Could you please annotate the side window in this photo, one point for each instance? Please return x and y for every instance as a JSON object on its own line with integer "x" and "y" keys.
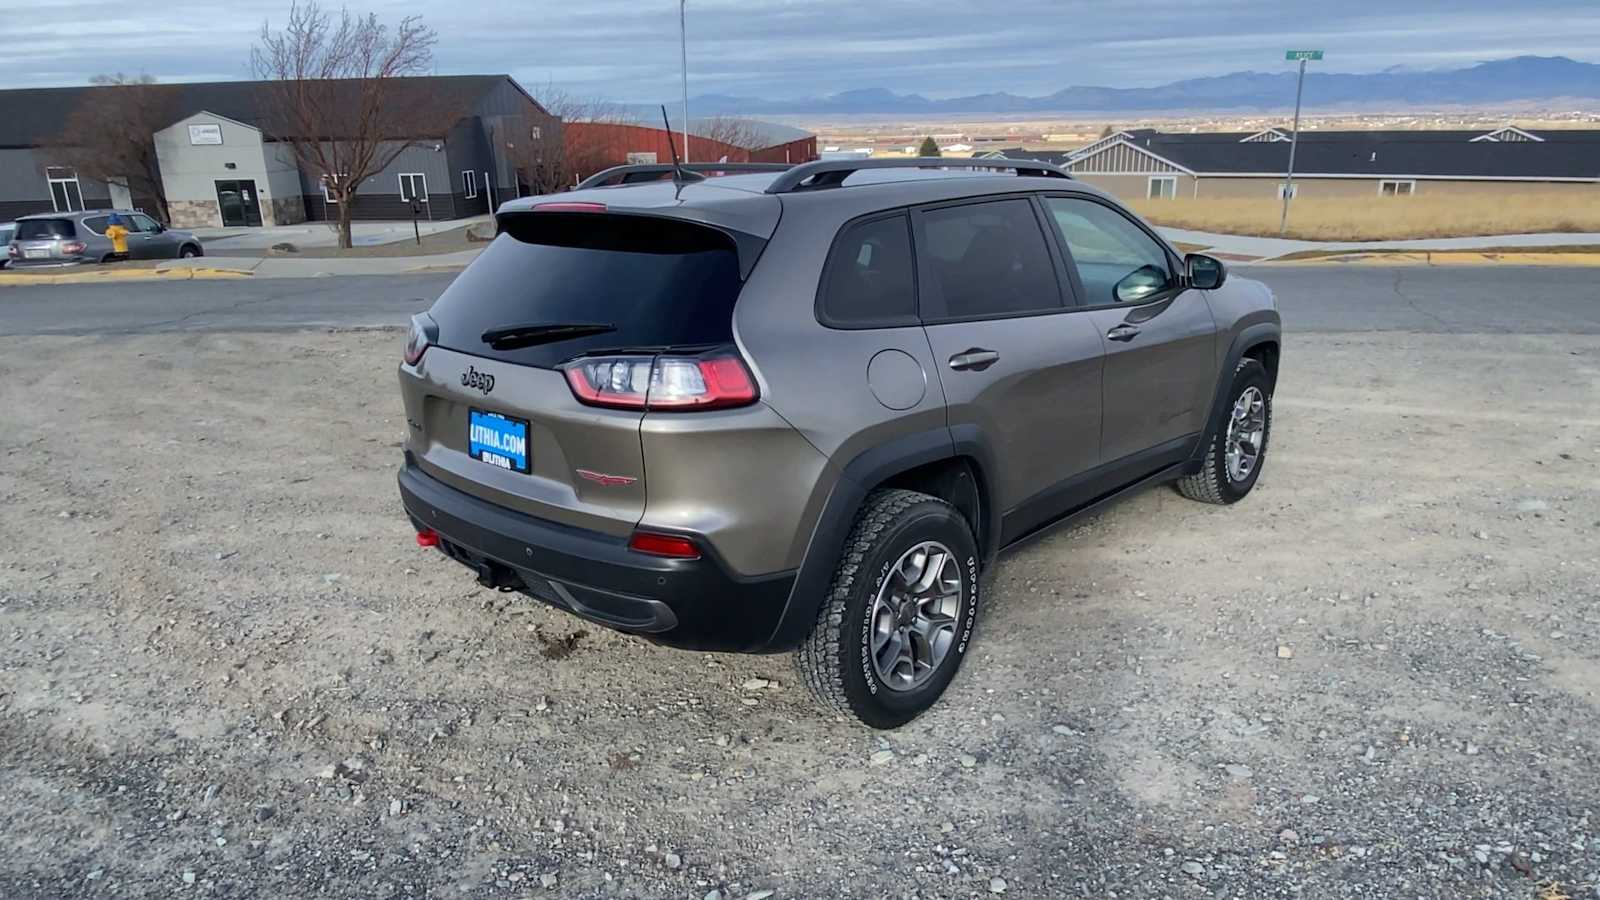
{"x": 144, "y": 223}
{"x": 870, "y": 280}
{"x": 1116, "y": 260}
{"x": 97, "y": 224}
{"x": 986, "y": 259}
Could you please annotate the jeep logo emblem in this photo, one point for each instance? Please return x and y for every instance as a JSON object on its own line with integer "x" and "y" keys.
{"x": 482, "y": 381}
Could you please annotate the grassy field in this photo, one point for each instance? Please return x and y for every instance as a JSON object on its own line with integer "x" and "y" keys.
{"x": 1383, "y": 218}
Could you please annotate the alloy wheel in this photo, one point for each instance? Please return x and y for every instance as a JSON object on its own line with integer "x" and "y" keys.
{"x": 914, "y": 616}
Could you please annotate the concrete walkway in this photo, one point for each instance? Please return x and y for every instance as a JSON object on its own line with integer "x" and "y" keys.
{"x": 1262, "y": 249}
{"x": 322, "y": 234}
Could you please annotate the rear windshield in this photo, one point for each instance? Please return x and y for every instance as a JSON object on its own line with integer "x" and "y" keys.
{"x": 44, "y": 229}
{"x": 660, "y": 283}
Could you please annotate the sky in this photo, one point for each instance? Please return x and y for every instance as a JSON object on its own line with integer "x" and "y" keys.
{"x": 782, "y": 49}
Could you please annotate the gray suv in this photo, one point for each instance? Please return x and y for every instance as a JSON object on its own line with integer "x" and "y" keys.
{"x": 73, "y": 238}
{"x": 806, "y": 409}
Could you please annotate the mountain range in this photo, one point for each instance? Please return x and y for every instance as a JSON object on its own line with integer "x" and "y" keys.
{"x": 1515, "y": 80}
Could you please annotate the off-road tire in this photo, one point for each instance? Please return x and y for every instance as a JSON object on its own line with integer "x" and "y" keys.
{"x": 834, "y": 660}
{"x": 1213, "y": 484}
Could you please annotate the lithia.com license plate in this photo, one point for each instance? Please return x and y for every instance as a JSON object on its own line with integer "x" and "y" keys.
{"x": 498, "y": 440}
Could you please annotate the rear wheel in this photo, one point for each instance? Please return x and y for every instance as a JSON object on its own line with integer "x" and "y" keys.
{"x": 1237, "y": 445}
{"x": 899, "y": 615}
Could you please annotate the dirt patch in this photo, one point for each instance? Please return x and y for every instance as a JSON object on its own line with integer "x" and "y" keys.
{"x": 229, "y": 671}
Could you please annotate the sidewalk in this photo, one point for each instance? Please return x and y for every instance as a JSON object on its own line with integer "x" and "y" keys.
{"x": 217, "y": 267}
{"x": 1242, "y": 248}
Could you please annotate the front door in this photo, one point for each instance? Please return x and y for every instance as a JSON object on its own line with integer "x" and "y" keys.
{"x": 147, "y": 239}
{"x": 1160, "y": 337}
{"x": 238, "y": 203}
{"x": 1017, "y": 365}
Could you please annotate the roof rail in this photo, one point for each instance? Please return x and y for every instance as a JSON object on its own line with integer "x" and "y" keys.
{"x": 829, "y": 173}
{"x": 652, "y": 172}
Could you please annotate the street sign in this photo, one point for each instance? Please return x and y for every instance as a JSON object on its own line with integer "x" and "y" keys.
{"x": 1294, "y": 55}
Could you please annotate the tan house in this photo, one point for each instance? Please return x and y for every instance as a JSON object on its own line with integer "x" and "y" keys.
{"x": 1150, "y": 164}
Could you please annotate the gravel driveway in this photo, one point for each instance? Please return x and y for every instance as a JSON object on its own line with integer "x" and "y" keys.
{"x": 227, "y": 671}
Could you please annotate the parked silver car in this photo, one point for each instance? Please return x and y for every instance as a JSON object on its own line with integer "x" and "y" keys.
{"x": 73, "y": 238}
{"x": 7, "y": 229}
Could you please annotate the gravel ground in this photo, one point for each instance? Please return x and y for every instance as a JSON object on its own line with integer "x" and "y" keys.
{"x": 226, "y": 670}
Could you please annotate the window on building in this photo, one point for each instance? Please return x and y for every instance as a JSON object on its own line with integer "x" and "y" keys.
{"x": 986, "y": 260}
{"x": 870, "y": 280}
{"x": 1396, "y": 188}
{"x": 469, "y": 184}
{"x": 1163, "y": 187}
{"x": 326, "y": 180}
{"x": 536, "y": 132}
{"x": 65, "y": 193}
{"x": 414, "y": 187}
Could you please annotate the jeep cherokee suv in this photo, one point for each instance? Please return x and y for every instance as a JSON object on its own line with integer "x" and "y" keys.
{"x": 805, "y": 409}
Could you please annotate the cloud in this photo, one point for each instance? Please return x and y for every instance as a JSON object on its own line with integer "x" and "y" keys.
{"x": 628, "y": 51}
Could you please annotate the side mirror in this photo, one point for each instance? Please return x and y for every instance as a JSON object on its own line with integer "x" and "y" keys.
{"x": 1141, "y": 284}
{"x": 1207, "y": 273}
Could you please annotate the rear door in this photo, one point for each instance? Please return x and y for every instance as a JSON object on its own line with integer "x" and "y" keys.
{"x": 1160, "y": 337}
{"x": 656, "y": 283}
{"x": 149, "y": 240}
{"x": 1015, "y": 362}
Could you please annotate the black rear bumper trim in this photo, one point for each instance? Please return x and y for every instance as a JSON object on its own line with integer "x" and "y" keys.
{"x": 694, "y": 604}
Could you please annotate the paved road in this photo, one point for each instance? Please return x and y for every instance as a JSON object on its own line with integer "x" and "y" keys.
{"x": 1313, "y": 298}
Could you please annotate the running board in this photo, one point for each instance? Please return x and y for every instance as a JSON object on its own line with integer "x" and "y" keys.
{"x": 1160, "y": 476}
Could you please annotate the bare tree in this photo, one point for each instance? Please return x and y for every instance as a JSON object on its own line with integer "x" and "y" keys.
{"x": 744, "y": 134}
{"x": 108, "y": 136}
{"x": 337, "y": 95}
{"x": 564, "y": 152}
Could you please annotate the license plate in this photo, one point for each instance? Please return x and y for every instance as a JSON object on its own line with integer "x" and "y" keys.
{"x": 498, "y": 440}
{"x": 35, "y": 254}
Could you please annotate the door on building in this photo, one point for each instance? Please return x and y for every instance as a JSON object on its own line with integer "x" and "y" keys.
{"x": 239, "y": 203}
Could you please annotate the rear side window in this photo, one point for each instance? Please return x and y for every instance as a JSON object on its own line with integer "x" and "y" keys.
{"x": 986, "y": 260}
{"x": 97, "y": 224}
{"x": 45, "y": 229}
{"x": 870, "y": 278}
{"x": 659, "y": 283}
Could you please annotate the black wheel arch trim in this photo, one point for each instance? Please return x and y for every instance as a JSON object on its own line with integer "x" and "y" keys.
{"x": 866, "y": 471}
{"x": 1248, "y": 338}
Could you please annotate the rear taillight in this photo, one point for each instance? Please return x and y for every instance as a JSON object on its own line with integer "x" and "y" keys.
{"x": 717, "y": 379}
{"x": 419, "y": 338}
{"x": 668, "y": 545}
{"x": 74, "y": 247}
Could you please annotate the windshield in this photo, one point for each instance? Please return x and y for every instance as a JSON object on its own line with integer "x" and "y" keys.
{"x": 654, "y": 282}
{"x": 44, "y": 229}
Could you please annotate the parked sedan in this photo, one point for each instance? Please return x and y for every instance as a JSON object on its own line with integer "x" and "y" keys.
{"x": 68, "y": 239}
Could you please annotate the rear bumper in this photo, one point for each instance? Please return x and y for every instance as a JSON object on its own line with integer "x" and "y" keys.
{"x": 693, "y": 604}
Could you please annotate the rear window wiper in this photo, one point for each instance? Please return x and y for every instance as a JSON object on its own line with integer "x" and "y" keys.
{"x": 529, "y": 334}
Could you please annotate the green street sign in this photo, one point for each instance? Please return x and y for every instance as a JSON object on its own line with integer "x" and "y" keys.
{"x": 1294, "y": 55}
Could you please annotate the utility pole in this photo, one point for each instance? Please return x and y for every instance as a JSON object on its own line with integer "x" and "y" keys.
{"x": 683, "y": 43}
{"x": 1294, "y": 137}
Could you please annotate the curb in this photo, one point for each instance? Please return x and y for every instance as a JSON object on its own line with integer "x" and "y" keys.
{"x": 1445, "y": 258}
{"x": 195, "y": 273}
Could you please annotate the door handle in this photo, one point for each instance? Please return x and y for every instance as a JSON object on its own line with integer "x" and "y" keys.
{"x": 1123, "y": 332}
{"x": 976, "y": 359}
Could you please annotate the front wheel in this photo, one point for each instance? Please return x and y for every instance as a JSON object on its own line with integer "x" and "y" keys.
{"x": 899, "y": 616}
{"x": 189, "y": 251}
{"x": 1237, "y": 445}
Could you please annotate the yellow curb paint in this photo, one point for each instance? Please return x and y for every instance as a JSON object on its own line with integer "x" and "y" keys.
{"x": 20, "y": 279}
{"x": 1529, "y": 258}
